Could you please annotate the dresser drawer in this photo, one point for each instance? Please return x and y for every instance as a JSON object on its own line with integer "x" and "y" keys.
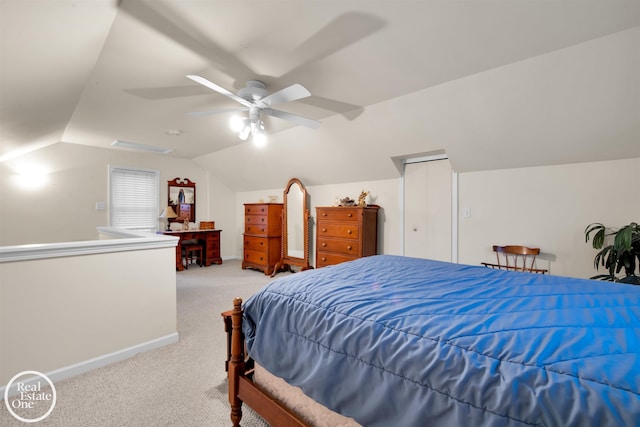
{"x": 323, "y": 259}
{"x": 339, "y": 214}
{"x": 256, "y": 209}
{"x": 346, "y": 231}
{"x": 256, "y": 220}
{"x": 255, "y": 243}
{"x": 256, "y": 257}
{"x": 212, "y": 245}
{"x": 212, "y": 252}
{"x": 341, "y": 246}
{"x": 256, "y": 229}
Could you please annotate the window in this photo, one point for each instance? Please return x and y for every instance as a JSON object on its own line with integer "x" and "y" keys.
{"x": 133, "y": 198}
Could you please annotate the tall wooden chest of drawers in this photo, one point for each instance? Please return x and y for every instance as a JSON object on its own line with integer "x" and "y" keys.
{"x": 262, "y": 236}
{"x": 345, "y": 233}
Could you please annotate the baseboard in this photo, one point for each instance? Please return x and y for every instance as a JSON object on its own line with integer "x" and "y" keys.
{"x": 98, "y": 362}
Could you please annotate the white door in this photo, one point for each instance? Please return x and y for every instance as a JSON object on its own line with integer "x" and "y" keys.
{"x": 427, "y": 210}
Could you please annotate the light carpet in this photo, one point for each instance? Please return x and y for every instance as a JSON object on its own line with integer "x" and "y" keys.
{"x": 182, "y": 384}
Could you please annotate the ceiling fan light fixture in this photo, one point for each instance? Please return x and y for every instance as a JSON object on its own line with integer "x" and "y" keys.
{"x": 244, "y": 133}
{"x": 237, "y": 124}
{"x": 259, "y": 139}
{"x": 255, "y": 98}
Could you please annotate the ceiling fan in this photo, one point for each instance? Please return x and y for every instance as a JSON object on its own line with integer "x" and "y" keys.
{"x": 256, "y": 100}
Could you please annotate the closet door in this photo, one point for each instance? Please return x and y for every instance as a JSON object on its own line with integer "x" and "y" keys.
{"x": 427, "y": 210}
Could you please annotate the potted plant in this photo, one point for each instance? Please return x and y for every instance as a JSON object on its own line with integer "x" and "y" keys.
{"x": 622, "y": 253}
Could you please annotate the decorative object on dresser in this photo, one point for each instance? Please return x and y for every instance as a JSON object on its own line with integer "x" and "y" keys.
{"x": 207, "y": 225}
{"x": 345, "y": 233}
{"x": 182, "y": 198}
{"x": 262, "y": 234}
{"x": 295, "y": 228}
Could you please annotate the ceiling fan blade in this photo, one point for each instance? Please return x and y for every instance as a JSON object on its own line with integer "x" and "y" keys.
{"x": 303, "y": 121}
{"x": 165, "y": 18}
{"x": 219, "y": 89}
{"x": 288, "y": 94}
{"x": 208, "y": 113}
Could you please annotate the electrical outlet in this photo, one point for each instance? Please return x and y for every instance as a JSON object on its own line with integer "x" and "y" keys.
{"x": 466, "y": 212}
{"x": 100, "y": 206}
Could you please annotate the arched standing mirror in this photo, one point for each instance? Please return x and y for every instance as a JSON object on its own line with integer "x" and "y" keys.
{"x": 295, "y": 228}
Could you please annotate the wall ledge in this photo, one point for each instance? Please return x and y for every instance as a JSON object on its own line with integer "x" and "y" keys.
{"x": 116, "y": 240}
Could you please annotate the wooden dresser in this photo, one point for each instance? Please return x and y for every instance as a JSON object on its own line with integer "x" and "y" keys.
{"x": 345, "y": 233}
{"x": 262, "y": 236}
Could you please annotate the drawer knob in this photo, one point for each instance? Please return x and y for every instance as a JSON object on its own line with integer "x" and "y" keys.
{"x": 324, "y": 244}
{"x": 349, "y": 214}
{"x": 323, "y": 259}
{"x": 349, "y": 247}
{"x": 349, "y": 231}
{"x": 324, "y": 230}
{"x": 324, "y": 214}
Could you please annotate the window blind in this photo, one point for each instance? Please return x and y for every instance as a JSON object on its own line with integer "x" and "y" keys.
{"x": 134, "y": 198}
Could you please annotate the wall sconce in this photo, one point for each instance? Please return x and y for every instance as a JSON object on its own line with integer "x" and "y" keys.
{"x": 31, "y": 176}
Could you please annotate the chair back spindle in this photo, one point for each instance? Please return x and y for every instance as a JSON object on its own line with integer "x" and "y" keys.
{"x": 516, "y": 258}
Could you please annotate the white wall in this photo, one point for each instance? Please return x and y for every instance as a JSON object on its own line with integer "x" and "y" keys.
{"x": 547, "y": 207}
{"x": 75, "y": 177}
{"x": 60, "y": 314}
{"x": 544, "y": 206}
{"x": 222, "y": 210}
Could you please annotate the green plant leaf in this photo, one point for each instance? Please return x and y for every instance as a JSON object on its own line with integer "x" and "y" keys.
{"x": 598, "y": 238}
{"x": 622, "y": 241}
{"x": 624, "y": 252}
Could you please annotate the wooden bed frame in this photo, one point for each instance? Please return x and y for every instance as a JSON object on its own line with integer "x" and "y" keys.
{"x": 242, "y": 389}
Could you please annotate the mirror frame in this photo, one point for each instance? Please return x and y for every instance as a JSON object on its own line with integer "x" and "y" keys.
{"x": 286, "y": 261}
{"x": 182, "y": 183}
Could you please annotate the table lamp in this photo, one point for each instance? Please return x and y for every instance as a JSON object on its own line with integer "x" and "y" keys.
{"x": 168, "y": 213}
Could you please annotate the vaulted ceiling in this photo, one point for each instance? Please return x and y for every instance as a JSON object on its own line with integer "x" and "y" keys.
{"x": 492, "y": 83}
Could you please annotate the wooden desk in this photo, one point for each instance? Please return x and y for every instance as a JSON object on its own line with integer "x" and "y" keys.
{"x": 211, "y": 245}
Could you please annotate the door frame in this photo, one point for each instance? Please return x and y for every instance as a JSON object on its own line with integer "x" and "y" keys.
{"x": 454, "y": 201}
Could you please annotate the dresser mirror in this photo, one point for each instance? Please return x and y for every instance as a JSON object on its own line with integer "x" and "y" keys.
{"x": 295, "y": 227}
{"x": 182, "y": 198}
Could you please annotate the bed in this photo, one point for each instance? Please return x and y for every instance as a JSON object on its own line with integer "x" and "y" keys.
{"x": 397, "y": 341}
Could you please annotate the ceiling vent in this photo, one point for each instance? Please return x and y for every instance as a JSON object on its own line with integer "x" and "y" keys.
{"x": 141, "y": 147}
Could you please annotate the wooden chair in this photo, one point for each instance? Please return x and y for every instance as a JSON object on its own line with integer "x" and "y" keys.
{"x": 191, "y": 250}
{"x": 516, "y": 258}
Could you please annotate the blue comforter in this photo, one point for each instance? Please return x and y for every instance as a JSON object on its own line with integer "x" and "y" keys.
{"x": 395, "y": 341}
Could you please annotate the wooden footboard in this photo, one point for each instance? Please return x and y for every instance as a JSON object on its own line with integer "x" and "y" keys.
{"x": 242, "y": 389}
